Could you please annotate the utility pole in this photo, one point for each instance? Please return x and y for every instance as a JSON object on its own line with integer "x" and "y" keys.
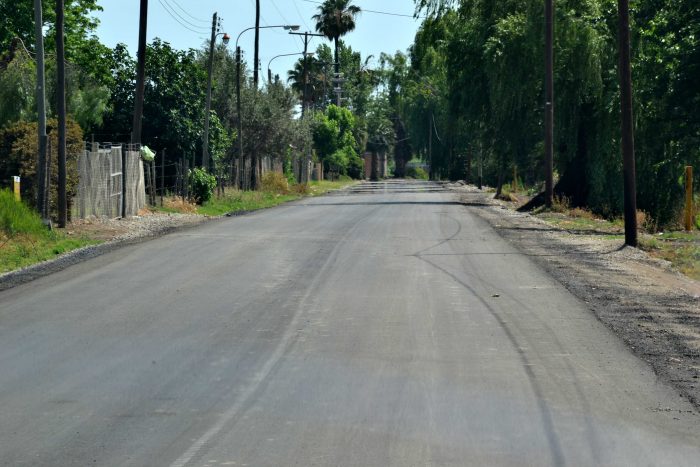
{"x": 628, "y": 159}
{"x": 305, "y": 99}
{"x": 241, "y": 162}
{"x": 549, "y": 104}
{"x": 61, "y": 108}
{"x": 41, "y": 109}
{"x": 205, "y": 138}
{"x": 257, "y": 44}
{"x": 140, "y": 89}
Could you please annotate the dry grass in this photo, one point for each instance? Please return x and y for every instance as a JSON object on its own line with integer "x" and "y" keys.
{"x": 180, "y": 205}
{"x": 274, "y": 182}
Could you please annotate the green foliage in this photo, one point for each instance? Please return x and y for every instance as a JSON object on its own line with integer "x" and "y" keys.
{"x": 334, "y": 19}
{"x": 335, "y": 142}
{"x": 17, "y": 90}
{"x": 16, "y": 217}
{"x": 202, "y": 185}
{"x": 173, "y": 102}
{"x": 18, "y": 152}
{"x": 474, "y": 90}
{"x": 416, "y": 172}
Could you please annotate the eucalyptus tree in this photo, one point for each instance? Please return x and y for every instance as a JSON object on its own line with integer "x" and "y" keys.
{"x": 334, "y": 19}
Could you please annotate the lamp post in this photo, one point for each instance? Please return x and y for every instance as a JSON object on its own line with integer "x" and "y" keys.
{"x": 241, "y": 171}
{"x": 207, "y": 111}
{"x": 269, "y": 71}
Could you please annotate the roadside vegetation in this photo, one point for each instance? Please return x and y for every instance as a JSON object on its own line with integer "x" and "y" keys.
{"x": 275, "y": 191}
{"x": 678, "y": 247}
{"x": 463, "y": 102}
{"x": 24, "y": 240}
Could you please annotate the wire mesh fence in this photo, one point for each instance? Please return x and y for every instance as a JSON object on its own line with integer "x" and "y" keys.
{"x": 101, "y": 189}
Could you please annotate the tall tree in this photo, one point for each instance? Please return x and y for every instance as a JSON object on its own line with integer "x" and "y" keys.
{"x": 336, "y": 18}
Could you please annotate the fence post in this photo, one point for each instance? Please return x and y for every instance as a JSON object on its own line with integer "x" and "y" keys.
{"x": 689, "y": 198}
{"x": 15, "y": 183}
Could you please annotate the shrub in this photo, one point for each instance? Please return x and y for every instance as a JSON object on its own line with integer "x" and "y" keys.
{"x": 201, "y": 185}
{"x": 274, "y": 182}
{"x": 301, "y": 189}
{"x": 416, "y": 172}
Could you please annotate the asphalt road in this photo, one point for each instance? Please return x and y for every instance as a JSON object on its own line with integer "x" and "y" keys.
{"x": 386, "y": 326}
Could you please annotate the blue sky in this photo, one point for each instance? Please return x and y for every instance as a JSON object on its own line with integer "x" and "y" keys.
{"x": 184, "y": 23}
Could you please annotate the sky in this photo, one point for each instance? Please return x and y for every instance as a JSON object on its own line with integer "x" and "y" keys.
{"x": 187, "y": 24}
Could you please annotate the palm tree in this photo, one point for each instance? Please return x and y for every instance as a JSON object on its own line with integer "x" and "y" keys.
{"x": 336, "y": 18}
{"x": 316, "y": 79}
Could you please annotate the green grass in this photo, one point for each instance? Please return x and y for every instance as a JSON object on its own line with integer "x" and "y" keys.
{"x": 242, "y": 201}
{"x": 582, "y": 223}
{"x": 239, "y": 201}
{"x": 681, "y": 249}
{"x": 324, "y": 186}
{"x": 23, "y": 238}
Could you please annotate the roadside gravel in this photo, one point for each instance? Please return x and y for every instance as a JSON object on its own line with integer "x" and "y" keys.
{"x": 653, "y": 308}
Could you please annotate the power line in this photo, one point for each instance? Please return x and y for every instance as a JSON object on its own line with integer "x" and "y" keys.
{"x": 377, "y": 12}
{"x": 296, "y": 7}
{"x": 174, "y": 16}
{"x": 278, "y": 11}
{"x": 204, "y": 21}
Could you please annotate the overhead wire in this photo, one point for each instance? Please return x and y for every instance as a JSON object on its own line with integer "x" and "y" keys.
{"x": 173, "y": 14}
{"x": 296, "y": 7}
{"x": 204, "y": 21}
{"x": 377, "y": 12}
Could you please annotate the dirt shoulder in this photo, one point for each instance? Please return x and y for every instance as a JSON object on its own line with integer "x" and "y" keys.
{"x": 654, "y": 309}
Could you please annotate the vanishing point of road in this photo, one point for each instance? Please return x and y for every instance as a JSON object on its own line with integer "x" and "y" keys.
{"x": 386, "y": 325}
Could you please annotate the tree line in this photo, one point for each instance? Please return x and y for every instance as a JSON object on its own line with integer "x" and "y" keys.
{"x": 470, "y": 93}
{"x": 101, "y": 92}
{"x": 467, "y": 97}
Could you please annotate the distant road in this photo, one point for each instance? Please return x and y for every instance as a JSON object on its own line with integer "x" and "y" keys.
{"x": 383, "y": 326}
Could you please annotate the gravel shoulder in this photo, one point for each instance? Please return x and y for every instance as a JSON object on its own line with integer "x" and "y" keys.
{"x": 655, "y": 310}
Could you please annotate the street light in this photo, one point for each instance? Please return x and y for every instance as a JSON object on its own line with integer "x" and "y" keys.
{"x": 207, "y": 111}
{"x": 269, "y": 72}
{"x": 286, "y": 27}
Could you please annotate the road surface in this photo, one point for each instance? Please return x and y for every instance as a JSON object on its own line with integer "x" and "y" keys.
{"x": 383, "y": 326}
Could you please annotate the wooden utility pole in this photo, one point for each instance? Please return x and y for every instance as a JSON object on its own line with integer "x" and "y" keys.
{"x": 257, "y": 44}
{"x": 239, "y": 136}
{"x": 138, "y": 100}
{"x": 207, "y": 109}
{"x": 41, "y": 109}
{"x": 628, "y": 158}
{"x": 549, "y": 104}
{"x": 689, "y": 198}
{"x": 61, "y": 109}
{"x": 305, "y": 98}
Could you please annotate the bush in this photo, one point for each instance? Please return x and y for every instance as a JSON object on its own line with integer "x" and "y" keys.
{"x": 201, "y": 185}
{"x": 356, "y": 167}
{"x": 301, "y": 189}
{"x": 17, "y": 218}
{"x": 274, "y": 182}
{"x": 416, "y": 172}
